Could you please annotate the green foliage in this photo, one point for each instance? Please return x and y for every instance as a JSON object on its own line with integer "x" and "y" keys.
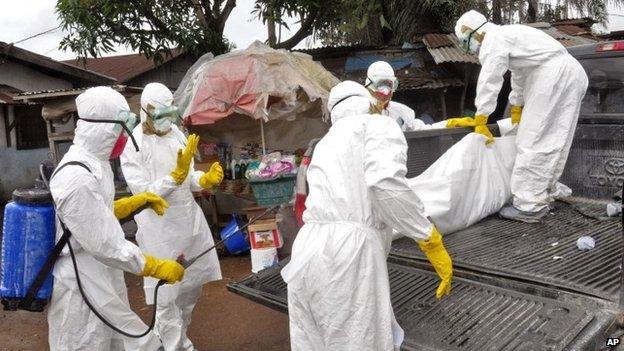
{"x": 363, "y": 22}
{"x": 151, "y": 27}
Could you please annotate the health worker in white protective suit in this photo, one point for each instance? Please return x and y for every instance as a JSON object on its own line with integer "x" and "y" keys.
{"x": 83, "y": 191}
{"x": 164, "y": 165}
{"x": 547, "y": 84}
{"x": 382, "y": 83}
{"x": 338, "y": 285}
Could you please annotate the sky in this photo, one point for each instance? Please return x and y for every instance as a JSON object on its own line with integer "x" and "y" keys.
{"x": 22, "y": 18}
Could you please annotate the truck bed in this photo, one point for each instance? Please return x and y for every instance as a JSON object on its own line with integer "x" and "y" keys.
{"x": 508, "y": 291}
{"x": 517, "y": 286}
{"x": 542, "y": 253}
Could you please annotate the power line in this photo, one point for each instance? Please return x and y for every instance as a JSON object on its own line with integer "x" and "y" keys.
{"x": 36, "y": 35}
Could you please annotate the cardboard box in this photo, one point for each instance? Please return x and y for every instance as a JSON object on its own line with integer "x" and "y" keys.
{"x": 264, "y": 234}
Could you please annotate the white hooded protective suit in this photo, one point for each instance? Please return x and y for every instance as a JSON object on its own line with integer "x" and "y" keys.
{"x": 549, "y": 83}
{"x": 182, "y": 230}
{"x": 84, "y": 202}
{"x": 338, "y": 286}
{"x": 405, "y": 117}
{"x": 402, "y": 114}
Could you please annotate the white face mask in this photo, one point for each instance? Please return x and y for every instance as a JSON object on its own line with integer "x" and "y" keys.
{"x": 162, "y": 125}
{"x": 471, "y": 46}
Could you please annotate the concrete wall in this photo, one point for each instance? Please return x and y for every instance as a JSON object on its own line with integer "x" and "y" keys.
{"x": 19, "y": 168}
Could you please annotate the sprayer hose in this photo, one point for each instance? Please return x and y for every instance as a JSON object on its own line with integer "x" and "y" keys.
{"x": 100, "y": 317}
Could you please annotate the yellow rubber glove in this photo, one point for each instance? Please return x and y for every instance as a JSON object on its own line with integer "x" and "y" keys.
{"x": 461, "y": 122}
{"x": 185, "y": 157}
{"x": 479, "y": 122}
{"x": 440, "y": 260}
{"x": 213, "y": 177}
{"x": 167, "y": 270}
{"x": 516, "y": 113}
{"x": 125, "y": 206}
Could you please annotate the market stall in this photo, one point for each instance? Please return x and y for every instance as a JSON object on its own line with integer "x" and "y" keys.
{"x": 256, "y": 111}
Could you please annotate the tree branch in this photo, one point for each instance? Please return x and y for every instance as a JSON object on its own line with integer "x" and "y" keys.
{"x": 156, "y": 21}
{"x": 210, "y": 13}
{"x": 216, "y": 7}
{"x": 304, "y": 31}
{"x": 197, "y": 8}
{"x": 227, "y": 10}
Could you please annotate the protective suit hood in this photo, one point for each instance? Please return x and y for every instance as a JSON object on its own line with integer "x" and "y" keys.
{"x": 157, "y": 95}
{"x": 99, "y": 103}
{"x": 471, "y": 19}
{"x": 348, "y": 98}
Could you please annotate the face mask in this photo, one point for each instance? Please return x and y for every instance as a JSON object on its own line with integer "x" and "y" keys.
{"x": 125, "y": 122}
{"x": 119, "y": 147}
{"x": 163, "y": 117}
{"x": 383, "y": 94}
{"x": 468, "y": 42}
{"x": 162, "y": 125}
{"x": 470, "y": 46}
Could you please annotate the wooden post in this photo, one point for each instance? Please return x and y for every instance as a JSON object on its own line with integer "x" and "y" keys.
{"x": 443, "y": 102}
{"x": 462, "y": 101}
{"x": 262, "y": 133}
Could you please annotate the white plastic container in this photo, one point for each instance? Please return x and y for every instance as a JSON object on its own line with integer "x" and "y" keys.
{"x": 263, "y": 258}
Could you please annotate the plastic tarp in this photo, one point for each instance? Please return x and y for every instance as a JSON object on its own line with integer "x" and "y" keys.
{"x": 258, "y": 82}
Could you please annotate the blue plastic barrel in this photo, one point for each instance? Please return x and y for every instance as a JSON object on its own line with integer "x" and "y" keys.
{"x": 237, "y": 243}
{"x": 28, "y": 236}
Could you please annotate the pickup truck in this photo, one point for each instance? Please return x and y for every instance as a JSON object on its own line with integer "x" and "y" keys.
{"x": 519, "y": 286}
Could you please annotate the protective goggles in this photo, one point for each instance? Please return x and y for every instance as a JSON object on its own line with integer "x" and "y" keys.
{"x": 464, "y": 42}
{"x": 391, "y": 84}
{"x": 170, "y": 113}
{"x": 126, "y": 120}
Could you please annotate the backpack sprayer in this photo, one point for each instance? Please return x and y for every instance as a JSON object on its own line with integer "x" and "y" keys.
{"x": 15, "y": 292}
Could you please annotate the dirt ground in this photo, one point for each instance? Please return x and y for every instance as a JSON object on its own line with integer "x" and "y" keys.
{"x": 221, "y": 320}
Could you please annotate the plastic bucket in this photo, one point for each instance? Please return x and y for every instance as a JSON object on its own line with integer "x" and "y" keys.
{"x": 236, "y": 244}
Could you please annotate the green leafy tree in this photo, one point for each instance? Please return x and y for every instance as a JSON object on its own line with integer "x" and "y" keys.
{"x": 152, "y": 27}
{"x": 312, "y": 14}
{"x": 384, "y": 22}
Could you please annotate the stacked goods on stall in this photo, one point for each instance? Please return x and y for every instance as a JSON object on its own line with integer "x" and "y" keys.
{"x": 272, "y": 178}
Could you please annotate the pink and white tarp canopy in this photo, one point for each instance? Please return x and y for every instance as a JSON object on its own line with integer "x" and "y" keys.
{"x": 259, "y": 82}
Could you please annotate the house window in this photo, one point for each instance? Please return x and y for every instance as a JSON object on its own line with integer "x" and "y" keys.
{"x": 30, "y": 128}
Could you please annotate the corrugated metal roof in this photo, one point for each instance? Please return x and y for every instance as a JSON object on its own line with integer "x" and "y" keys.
{"x": 428, "y": 83}
{"x": 7, "y": 93}
{"x": 54, "y": 67}
{"x": 447, "y": 53}
{"x": 572, "y": 30}
{"x": 43, "y": 94}
{"x": 436, "y": 40}
{"x": 121, "y": 67}
{"x": 567, "y": 34}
